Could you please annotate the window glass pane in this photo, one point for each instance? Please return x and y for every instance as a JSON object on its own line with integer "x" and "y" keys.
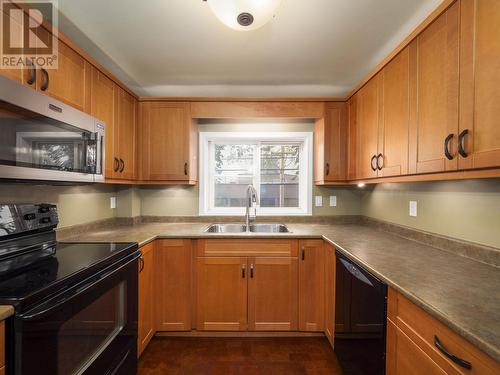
{"x": 234, "y": 169}
{"x": 279, "y": 175}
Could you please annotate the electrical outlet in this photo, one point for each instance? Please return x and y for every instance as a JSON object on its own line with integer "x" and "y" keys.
{"x": 413, "y": 208}
{"x": 112, "y": 202}
{"x": 333, "y": 201}
{"x": 318, "y": 199}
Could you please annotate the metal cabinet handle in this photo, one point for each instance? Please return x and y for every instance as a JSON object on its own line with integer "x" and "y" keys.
{"x": 459, "y": 361}
{"x": 461, "y": 148}
{"x": 186, "y": 168}
{"x": 116, "y": 165}
{"x": 327, "y": 169}
{"x": 32, "y": 78}
{"x": 379, "y": 165}
{"x": 141, "y": 262}
{"x": 374, "y": 168}
{"x": 303, "y": 252}
{"x": 122, "y": 165}
{"x": 45, "y": 84}
{"x": 251, "y": 270}
{"x": 447, "y": 147}
{"x": 243, "y": 270}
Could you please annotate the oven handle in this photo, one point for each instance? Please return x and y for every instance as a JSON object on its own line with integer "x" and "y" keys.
{"x": 78, "y": 290}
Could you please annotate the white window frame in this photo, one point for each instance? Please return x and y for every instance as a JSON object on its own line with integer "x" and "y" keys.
{"x": 206, "y": 196}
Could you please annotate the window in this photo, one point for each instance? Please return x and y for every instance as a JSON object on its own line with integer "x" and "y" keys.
{"x": 278, "y": 165}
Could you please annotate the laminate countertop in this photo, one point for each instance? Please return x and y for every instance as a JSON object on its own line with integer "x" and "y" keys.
{"x": 462, "y": 293}
{"x": 6, "y": 311}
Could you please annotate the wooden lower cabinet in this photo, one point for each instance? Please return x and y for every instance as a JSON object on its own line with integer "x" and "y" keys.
{"x": 311, "y": 286}
{"x": 412, "y": 348}
{"x": 330, "y": 293}
{"x": 173, "y": 281}
{"x": 272, "y": 294}
{"x": 146, "y": 322}
{"x": 221, "y": 290}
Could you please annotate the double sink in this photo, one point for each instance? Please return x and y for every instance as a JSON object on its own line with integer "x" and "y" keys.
{"x": 242, "y": 228}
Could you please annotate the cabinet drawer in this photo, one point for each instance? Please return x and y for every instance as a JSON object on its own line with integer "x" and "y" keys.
{"x": 422, "y": 329}
{"x": 231, "y": 247}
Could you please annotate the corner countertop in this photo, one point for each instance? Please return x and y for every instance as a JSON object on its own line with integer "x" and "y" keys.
{"x": 6, "y": 311}
{"x": 462, "y": 293}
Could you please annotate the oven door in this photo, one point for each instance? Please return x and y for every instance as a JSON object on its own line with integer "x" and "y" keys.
{"x": 44, "y": 139}
{"x": 89, "y": 329}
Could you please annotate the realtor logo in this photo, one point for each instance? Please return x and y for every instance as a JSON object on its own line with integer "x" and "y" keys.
{"x": 29, "y": 34}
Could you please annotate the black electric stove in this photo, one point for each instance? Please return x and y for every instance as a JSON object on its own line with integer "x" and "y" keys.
{"x": 75, "y": 303}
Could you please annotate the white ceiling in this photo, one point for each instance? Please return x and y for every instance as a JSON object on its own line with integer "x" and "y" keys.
{"x": 178, "y": 47}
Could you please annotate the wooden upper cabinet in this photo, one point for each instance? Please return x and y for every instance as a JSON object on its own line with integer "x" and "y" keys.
{"x": 70, "y": 82}
{"x": 103, "y": 91}
{"x": 125, "y": 135}
{"x": 221, "y": 289}
{"x": 434, "y": 89}
{"x": 330, "y": 293}
{"x": 311, "y": 286}
{"x": 352, "y": 155}
{"x": 174, "y": 285}
{"x": 146, "y": 321}
{"x": 480, "y": 84}
{"x": 330, "y": 138}
{"x": 367, "y": 120}
{"x": 168, "y": 143}
{"x": 19, "y": 75}
{"x": 272, "y": 294}
{"x": 392, "y": 157}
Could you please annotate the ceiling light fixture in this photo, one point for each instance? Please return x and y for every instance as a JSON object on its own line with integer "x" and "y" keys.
{"x": 244, "y": 15}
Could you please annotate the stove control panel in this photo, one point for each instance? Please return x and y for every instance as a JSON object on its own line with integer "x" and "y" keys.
{"x": 20, "y": 218}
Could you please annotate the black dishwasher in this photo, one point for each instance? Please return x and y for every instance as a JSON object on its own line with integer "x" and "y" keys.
{"x": 360, "y": 319}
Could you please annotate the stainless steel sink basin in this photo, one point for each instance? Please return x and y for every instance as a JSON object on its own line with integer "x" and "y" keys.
{"x": 226, "y": 228}
{"x": 241, "y": 228}
{"x": 269, "y": 228}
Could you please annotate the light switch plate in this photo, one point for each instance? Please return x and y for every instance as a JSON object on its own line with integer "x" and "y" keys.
{"x": 333, "y": 201}
{"x": 413, "y": 208}
{"x": 112, "y": 202}
{"x": 318, "y": 199}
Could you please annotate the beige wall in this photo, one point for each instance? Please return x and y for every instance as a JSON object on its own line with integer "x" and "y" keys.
{"x": 76, "y": 204}
{"x": 183, "y": 201}
{"x": 468, "y": 210}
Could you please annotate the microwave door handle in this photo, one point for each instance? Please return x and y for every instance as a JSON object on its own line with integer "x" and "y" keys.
{"x": 55, "y": 305}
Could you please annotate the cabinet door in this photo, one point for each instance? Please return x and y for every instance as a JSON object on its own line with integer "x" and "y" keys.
{"x": 480, "y": 88}
{"x": 411, "y": 360}
{"x": 352, "y": 155}
{"x": 173, "y": 278}
{"x": 434, "y": 92}
{"x": 330, "y": 137}
{"x": 330, "y": 293}
{"x": 146, "y": 323}
{"x": 125, "y": 141}
{"x": 367, "y": 106}
{"x": 168, "y": 142}
{"x": 221, "y": 288}
{"x": 272, "y": 294}
{"x": 19, "y": 75}
{"x": 311, "y": 286}
{"x": 393, "y": 135}
{"x": 70, "y": 82}
{"x": 102, "y": 107}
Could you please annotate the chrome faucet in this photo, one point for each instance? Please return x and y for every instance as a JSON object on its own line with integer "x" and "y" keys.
{"x": 252, "y": 201}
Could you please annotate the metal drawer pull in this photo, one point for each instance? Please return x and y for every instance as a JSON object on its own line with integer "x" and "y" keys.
{"x": 459, "y": 361}
{"x": 116, "y": 165}
{"x": 374, "y": 168}
{"x": 380, "y": 165}
{"x": 447, "y": 147}
{"x": 45, "y": 84}
{"x": 327, "y": 169}
{"x": 303, "y": 252}
{"x": 122, "y": 165}
{"x": 32, "y": 77}
{"x": 251, "y": 270}
{"x": 186, "y": 168}
{"x": 461, "y": 149}
{"x": 243, "y": 269}
{"x": 141, "y": 262}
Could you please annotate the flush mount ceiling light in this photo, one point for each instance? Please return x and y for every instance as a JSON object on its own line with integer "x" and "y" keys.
{"x": 244, "y": 15}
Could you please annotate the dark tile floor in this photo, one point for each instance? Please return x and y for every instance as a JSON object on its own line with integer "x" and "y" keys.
{"x": 248, "y": 356}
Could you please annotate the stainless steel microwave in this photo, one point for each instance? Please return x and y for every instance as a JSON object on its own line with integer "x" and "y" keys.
{"x": 44, "y": 139}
